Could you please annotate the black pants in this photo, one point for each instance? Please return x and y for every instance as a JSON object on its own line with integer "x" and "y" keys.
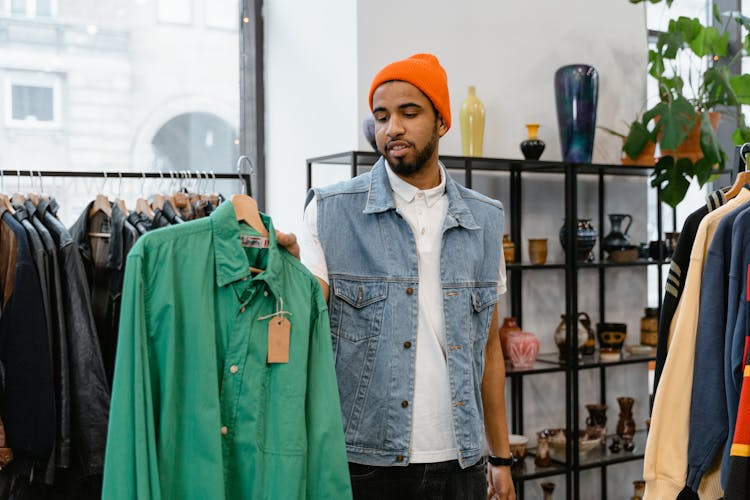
{"x": 439, "y": 481}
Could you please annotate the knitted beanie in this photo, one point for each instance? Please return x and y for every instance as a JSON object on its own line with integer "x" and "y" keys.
{"x": 424, "y": 72}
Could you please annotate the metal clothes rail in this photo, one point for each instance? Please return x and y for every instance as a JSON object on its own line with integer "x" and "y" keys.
{"x": 243, "y": 177}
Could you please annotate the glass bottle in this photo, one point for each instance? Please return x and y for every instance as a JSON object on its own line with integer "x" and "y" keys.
{"x": 650, "y": 327}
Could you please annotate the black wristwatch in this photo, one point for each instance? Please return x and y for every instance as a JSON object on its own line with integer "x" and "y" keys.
{"x": 500, "y": 461}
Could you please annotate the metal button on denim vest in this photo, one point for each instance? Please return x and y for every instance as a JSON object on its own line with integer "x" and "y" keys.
{"x": 373, "y": 272}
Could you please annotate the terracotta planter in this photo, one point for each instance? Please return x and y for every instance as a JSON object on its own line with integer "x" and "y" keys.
{"x": 646, "y": 157}
{"x": 691, "y": 147}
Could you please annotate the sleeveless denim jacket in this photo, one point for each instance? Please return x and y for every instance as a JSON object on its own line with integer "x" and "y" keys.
{"x": 371, "y": 256}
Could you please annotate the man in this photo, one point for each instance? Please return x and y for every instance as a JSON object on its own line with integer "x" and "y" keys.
{"x": 411, "y": 265}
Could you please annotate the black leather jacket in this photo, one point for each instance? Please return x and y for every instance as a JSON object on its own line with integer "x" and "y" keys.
{"x": 88, "y": 383}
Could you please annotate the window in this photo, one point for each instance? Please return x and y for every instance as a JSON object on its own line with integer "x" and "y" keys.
{"x": 221, "y": 13}
{"x": 175, "y": 11}
{"x": 33, "y": 8}
{"x": 33, "y": 101}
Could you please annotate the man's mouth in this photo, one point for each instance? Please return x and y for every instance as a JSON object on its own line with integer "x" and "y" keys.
{"x": 398, "y": 149}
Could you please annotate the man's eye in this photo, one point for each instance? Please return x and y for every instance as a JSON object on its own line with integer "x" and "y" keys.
{"x": 410, "y": 115}
{"x": 381, "y": 119}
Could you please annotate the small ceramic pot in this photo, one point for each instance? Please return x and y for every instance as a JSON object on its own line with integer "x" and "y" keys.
{"x": 611, "y": 337}
{"x": 509, "y": 249}
{"x": 509, "y": 325}
{"x": 518, "y": 444}
{"x": 538, "y": 250}
{"x": 542, "y": 457}
{"x": 523, "y": 348}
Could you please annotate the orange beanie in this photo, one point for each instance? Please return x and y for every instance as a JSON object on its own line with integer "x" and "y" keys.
{"x": 424, "y": 72}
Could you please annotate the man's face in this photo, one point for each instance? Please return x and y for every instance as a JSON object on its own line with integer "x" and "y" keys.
{"x": 407, "y": 128}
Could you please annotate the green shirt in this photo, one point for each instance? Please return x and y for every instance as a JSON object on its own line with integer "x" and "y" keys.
{"x": 197, "y": 412}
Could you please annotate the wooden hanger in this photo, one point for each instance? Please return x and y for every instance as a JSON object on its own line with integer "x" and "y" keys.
{"x": 5, "y": 205}
{"x": 743, "y": 177}
{"x": 246, "y": 210}
{"x": 101, "y": 204}
{"x": 142, "y": 207}
{"x": 121, "y": 205}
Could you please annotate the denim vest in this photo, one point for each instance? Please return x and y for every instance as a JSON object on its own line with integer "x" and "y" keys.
{"x": 371, "y": 256}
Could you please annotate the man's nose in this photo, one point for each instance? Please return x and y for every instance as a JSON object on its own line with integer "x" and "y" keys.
{"x": 395, "y": 127}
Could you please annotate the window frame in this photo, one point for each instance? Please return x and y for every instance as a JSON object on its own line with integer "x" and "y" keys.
{"x": 31, "y": 9}
{"x": 29, "y": 79}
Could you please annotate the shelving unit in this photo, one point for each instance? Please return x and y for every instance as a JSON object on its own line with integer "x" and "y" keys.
{"x": 571, "y": 463}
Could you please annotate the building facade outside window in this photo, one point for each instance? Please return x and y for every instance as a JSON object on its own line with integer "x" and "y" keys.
{"x": 144, "y": 85}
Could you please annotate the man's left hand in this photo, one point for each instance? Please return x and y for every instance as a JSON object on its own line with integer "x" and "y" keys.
{"x": 499, "y": 483}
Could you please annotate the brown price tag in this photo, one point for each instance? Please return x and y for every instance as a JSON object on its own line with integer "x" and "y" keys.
{"x": 278, "y": 340}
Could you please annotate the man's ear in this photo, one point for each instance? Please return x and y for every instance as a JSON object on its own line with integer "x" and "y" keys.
{"x": 442, "y": 127}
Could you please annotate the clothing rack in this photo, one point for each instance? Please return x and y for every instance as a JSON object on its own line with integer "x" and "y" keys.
{"x": 244, "y": 177}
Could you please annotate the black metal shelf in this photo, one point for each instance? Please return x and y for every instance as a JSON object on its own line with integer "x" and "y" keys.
{"x": 527, "y": 470}
{"x": 594, "y": 361}
{"x": 585, "y": 265}
{"x": 601, "y": 456}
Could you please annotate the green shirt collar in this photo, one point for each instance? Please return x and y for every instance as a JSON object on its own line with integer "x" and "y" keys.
{"x": 231, "y": 261}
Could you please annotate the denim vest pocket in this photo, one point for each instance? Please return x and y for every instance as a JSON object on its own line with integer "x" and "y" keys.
{"x": 481, "y": 300}
{"x": 357, "y": 309}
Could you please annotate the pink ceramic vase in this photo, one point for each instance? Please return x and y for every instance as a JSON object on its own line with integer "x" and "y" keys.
{"x": 523, "y": 348}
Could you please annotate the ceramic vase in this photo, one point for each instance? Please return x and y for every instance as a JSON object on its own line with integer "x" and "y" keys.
{"x": 509, "y": 249}
{"x": 538, "y": 250}
{"x": 509, "y": 326}
{"x": 542, "y": 457}
{"x": 625, "y": 422}
{"x": 596, "y": 422}
{"x": 617, "y": 238}
{"x": 471, "y": 118}
{"x": 576, "y": 95}
{"x": 368, "y": 130}
{"x": 582, "y": 334}
{"x": 585, "y": 239}
{"x": 548, "y": 488}
{"x": 532, "y": 148}
{"x": 523, "y": 348}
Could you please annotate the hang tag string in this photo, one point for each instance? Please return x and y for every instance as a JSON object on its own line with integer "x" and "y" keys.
{"x": 279, "y": 310}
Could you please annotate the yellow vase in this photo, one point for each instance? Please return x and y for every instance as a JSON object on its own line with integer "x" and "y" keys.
{"x": 472, "y": 124}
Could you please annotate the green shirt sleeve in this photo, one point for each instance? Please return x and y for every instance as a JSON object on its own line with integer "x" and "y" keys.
{"x": 327, "y": 468}
{"x": 131, "y": 467}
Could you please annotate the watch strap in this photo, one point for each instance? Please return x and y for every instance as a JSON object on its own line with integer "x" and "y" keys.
{"x": 500, "y": 461}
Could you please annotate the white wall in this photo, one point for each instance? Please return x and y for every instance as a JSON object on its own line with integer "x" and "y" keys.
{"x": 321, "y": 57}
{"x": 311, "y": 95}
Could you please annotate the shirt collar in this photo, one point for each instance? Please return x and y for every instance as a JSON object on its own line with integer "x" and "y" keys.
{"x": 408, "y": 191}
{"x": 380, "y": 197}
{"x": 231, "y": 261}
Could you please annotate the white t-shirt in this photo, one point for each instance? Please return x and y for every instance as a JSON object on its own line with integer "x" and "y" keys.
{"x": 432, "y": 436}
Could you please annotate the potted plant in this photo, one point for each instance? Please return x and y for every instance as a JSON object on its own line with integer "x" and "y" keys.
{"x": 638, "y": 147}
{"x": 688, "y": 97}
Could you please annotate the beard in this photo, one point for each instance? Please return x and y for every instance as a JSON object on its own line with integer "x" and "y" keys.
{"x": 406, "y": 168}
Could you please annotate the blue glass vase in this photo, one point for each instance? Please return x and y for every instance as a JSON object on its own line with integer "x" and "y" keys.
{"x": 576, "y": 93}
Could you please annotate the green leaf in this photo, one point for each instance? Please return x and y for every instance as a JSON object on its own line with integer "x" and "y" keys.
{"x": 717, "y": 87}
{"x": 675, "y": 121}
{"x": 638, "y": 137}
{"x": 741, "y": 135}
{"x": 741, "y": 88}
{"x": 709, "y": 41}
{"x": 703, "y": 169}
{"x": 717, "y": 14}
{"x": 709, "y": 145}
{"x": 669, "y": 42}
{"x": 672, "y": 179}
